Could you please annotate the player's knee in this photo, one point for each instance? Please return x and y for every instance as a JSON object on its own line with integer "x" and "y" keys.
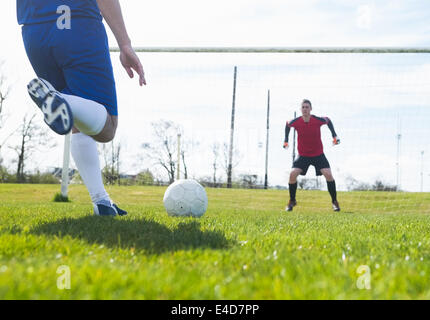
{"x": 329, "y": 178}
{"x": 294, "y": 174}
{"x": 327, "y": 174}
{"x": 109, "y": 130}
{"x": 105, "y": 136}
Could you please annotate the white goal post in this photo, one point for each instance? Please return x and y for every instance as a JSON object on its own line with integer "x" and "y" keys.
{"x": 66, "y": 161}
{"x": 282, "y": 49}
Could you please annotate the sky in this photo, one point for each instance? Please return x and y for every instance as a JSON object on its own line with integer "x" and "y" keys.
{"x": 370, "y": 98}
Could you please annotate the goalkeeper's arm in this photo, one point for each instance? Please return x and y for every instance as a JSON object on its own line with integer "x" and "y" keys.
{"x": 336, "y": 140}
{"x": 287, "y": 133}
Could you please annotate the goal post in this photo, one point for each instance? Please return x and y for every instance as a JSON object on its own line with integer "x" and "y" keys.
{"x": 281, "y": 49}
{"x": 65, "y": 169}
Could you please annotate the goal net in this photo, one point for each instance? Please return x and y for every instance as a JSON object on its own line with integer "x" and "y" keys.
{"x": 377, "y": 99}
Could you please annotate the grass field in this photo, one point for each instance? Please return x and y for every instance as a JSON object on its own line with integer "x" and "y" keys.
{"x": 245, "y": 247}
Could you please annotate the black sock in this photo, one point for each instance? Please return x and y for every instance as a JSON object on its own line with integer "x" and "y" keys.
{"x": 293, "y": 189}
{"x": 331, "y": 186}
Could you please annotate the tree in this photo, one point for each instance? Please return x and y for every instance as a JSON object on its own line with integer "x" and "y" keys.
{"x": 184, "y": 164}
{"x": 164, "y": 149}
{"x": 215, "y": 164}
{"x": 308, "y": 184}
{"x": 4, "y": 93}
{"x": 111, "y": 155}
{"x": 236, "y": 159}
{"x": 353, "y": 184}
{"x": 4, "y": 174}
{"x": 248, "y": 180}
{"x": 186, "y": 147}
{"x": 31, "y": 137}
{"x": 382, "y": 186}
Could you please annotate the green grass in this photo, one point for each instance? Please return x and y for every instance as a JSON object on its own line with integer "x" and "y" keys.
{"x": 244, "y": 247}
{"x": 58, "y": 197}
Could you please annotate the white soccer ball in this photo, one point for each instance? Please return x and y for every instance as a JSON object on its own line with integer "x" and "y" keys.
{"x": 185, "y": 197}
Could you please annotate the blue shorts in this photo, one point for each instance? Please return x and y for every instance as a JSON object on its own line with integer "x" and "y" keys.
{"x": 75, "y": 61}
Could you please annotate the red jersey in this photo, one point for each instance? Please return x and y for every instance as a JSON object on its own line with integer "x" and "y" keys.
{"x": 309, "y": 142}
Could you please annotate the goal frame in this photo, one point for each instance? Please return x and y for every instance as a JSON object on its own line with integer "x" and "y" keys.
{"x": 194, "y": 49}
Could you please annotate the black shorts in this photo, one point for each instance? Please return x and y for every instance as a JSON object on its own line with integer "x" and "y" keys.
{"x": 319, "y": 162}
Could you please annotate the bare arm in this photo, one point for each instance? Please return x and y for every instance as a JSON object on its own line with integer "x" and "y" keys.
{"x": 111, "y": 11}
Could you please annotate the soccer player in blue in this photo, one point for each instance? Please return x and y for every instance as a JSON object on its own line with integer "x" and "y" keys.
{"x": 67, "y": 46}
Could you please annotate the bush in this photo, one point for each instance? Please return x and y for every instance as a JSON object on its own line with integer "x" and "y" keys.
{"x": 6, "y": 177}
{"x": 43, "y": 178}
{"x": 382, "y": 186}
{"x": 145, "y": 178}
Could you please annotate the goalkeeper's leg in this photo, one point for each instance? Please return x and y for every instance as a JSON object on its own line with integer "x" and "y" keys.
{"x": 331, "y": 186}
{"x": 292, "y": 184}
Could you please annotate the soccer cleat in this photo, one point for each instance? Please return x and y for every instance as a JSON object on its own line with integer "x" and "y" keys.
{"x": 291, "y": 205}
{"x": 104, "y": 208}
{"x": 120, "y": 211}
{"x": 56, "y": 111}
{"x": 335, "y": 206}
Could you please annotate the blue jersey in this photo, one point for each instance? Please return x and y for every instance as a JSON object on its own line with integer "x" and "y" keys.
{"x": 40, "y": 11}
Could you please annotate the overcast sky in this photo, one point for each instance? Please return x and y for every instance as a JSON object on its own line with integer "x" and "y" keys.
{"x": 364, "y": 95}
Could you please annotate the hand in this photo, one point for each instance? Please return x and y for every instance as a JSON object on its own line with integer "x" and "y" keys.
{"x": 130, "y": 61}
{"x": 336, "y": 141}
{"x": 285, "y": 146}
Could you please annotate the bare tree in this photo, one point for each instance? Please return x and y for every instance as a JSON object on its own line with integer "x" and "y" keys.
{"x": 111, "y": 155}
{"x": 308, "y": 184}
{"x": 32, "y": 136}
{"x": 380, "y": 185}
{"x": 215, "y": 164}
{"x": 226, "y": 155}
{"x": 249, "y": 180}
{"x": 162, "y": 152}
{"x": 184, "y": 164}
{"x": 117, "y": 153}
{"x": 187, "y": 146}
{"x": 353, "y": 184}
{"x": 4, "y": 93}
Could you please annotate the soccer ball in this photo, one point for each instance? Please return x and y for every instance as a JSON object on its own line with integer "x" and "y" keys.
{"x": 185, "y": 197}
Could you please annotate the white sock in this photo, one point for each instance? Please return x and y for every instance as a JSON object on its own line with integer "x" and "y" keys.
{"x": 88, "y": 116}
{"x": 85, "y": 154}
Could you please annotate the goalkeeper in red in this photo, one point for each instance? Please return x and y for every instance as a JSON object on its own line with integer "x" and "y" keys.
{"x": 310, "y": 151}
